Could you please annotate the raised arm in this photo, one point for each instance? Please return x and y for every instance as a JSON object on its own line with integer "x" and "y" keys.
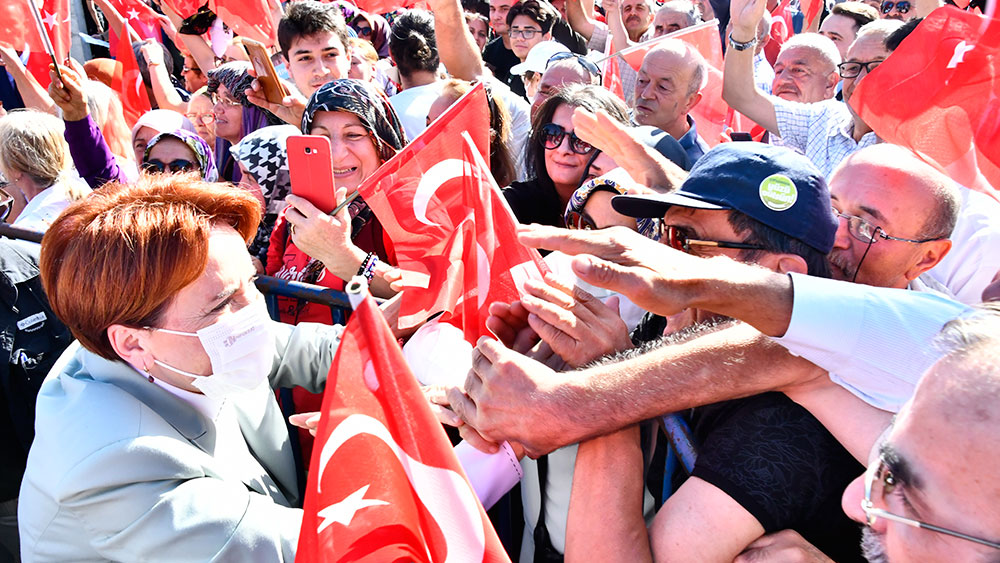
{"x": 580, "y": 16}
{"x": 738, "y": 88}
{"x": 163, "y": 89}
{"x": 200, "y": 50}
{"x": 616, "y": 27}
{"x": 31, "y": 91}
{"x": 456, "y": 46}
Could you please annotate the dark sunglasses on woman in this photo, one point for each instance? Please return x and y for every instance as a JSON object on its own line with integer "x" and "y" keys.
{"x": 174, "y": 166}
{"x": 553, "y": 135}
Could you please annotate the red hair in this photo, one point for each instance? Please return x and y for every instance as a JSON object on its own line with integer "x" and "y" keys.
{"x": 120, "y": 255}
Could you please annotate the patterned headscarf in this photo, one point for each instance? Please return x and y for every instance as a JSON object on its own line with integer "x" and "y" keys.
{"x": 577, "y": 201}
{"x": 202, "y": 152}
{"x": 366, "y": 102}
{"x": 264, "y": 155}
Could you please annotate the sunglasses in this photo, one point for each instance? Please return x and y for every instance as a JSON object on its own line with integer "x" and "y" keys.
{"x": 578, "y": 220}
{"x": 584, "y": 62}
{"x": 678, "y": 239}
{"x": 173, "y": 167}
{"x": 902, "y": 6}
{"x": 363, "y": 31}
{"x": 553, "y": 135}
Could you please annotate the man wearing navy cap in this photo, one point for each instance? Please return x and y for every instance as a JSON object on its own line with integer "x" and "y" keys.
{"x": 763, "y": 462}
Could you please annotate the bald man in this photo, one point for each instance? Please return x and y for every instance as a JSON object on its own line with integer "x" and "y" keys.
{"x": 670, "y": 81}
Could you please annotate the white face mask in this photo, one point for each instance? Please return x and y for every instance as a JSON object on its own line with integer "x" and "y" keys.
{"x": 241, "y": 349}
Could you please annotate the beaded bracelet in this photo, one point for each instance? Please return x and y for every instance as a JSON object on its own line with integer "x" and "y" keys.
{"x": 367, "y": 268}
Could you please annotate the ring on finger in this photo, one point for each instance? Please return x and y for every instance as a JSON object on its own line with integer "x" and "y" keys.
{"x": 291, "y": 229}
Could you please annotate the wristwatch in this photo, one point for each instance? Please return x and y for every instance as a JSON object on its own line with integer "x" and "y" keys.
{"x": 741, "y": 46}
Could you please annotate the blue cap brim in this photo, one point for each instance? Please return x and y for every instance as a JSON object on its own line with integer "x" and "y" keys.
{"x": 658, "y": 204}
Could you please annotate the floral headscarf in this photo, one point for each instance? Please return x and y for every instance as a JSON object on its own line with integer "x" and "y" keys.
{"x": 363, "y": 100}
{"x": 577, "y": 201}
{"x": 209, "y": 172}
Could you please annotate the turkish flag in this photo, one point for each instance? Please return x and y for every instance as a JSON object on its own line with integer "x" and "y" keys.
{"x": 612, "y": 77}
{"x": 185, "y": 8}
{"x": 127, "y": 82}
{"x": 711, "y": 114}
{"x": 18, "y": 29}
{"x": 247, "y": 18}
{"x": 382, "y": 7}
{"x": 456, "y": 236}
{"x": 811, "y": 9}
{"x": 143, "y": 20}
{"x": 939, "y": 95}
{"x": 384, "y": 483}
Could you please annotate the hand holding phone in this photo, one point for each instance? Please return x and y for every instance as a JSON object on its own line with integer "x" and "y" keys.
{"x": 310, "y": 167}
{"x": 267, "y": 76}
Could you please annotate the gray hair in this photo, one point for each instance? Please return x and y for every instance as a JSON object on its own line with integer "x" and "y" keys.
{"x": 821, "y": 45}
{"x": 686, "y": 7}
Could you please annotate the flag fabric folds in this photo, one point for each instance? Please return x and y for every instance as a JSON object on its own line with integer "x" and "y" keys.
{"x": 453, "y": 234}
{"x": 384, "y": 483}
{"x": 18, "y": 29}
{"x": 939, "y": 95}
{"x": 127, "y": 82}
{"x": 248, "y": 18}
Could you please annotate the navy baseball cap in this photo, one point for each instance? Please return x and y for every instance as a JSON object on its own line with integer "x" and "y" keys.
{"x": 774, "y": 185}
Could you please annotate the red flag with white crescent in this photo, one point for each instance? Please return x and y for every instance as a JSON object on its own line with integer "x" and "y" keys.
{"x": 939, "y": 95}
{"x": 247, "y": 18}
{"x": 18, "y": 29}
{"x": 384, "y": 483}
{"x": 453, "y": 234}
{"x": 127, "y": 82}
{"x": 143, "y": 19}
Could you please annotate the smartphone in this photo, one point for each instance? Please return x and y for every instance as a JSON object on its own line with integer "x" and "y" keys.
{"x": 740, "y": 136}
{"x": 310, "y": 167}
{"x": 270, "y": 85}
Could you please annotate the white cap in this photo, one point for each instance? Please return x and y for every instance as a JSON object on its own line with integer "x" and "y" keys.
{"x": 538, "y": 57}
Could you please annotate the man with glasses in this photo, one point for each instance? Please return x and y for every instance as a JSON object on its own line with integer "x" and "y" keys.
{"x": 528, "y": 24}
{"x": 826, "y": 131}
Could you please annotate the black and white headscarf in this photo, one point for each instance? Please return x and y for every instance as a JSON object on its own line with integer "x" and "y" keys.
{"x": 264, "y": 156}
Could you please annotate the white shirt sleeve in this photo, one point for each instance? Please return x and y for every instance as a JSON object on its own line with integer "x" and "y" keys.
{"x": 875, "y": 342}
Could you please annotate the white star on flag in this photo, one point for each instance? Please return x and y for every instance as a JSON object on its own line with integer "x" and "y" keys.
{"x": 49, "y": 19}
{"x": 345, "y": 510}
{"x": 132, "y": 14}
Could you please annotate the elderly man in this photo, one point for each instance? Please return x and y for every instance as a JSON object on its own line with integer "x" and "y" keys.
{"x": 675, "y": 16}
{"x": 826, "y": 131}
{"x": 669, "y": 85}
{"x": 513, "y": 397}
{"x": 844, "y": 21}
{"x": 636, "y": 16}
{"x": 806, "y": 69}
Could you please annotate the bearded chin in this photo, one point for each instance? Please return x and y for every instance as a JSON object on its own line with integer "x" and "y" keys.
{"x": 872, "y": 547}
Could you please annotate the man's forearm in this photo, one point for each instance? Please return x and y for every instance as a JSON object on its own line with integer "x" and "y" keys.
{"x": 458, "y": 49}
{"x": 758, "y": 297}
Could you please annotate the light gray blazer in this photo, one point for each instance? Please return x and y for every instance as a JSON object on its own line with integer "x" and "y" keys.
{"x": 122, "y": 470}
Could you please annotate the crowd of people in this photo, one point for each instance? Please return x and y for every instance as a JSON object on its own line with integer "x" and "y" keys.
{"x": 775, "y": 349}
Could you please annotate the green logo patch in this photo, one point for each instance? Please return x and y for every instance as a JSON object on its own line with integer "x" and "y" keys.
{"x": 778, "y": 192}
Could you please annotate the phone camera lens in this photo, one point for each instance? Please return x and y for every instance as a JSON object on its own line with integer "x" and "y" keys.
{"x": 309, "y": 150}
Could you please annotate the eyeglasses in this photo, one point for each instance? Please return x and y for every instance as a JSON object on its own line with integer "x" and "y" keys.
{"x": 584, "y": 62}
{"x": 852, "y": 70}
{"x": 578, "y": 220}
{"x": 678, "y": 239}
{"x": 363, "y": 31}
{"x": 526, "y": 33}
{"x": 902, "y": 6}
{"x": 869, "y": 234}
{"x": 225, "y": 102}
{"x": 189, "y": 69}
{"x": 552, "y": 138}
{"x": 878, "y": 473}
{"x": 173, "y": 167}
{"x": 205, "y": 118}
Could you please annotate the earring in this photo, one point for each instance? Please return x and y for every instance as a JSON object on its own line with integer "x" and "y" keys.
{"x": 149, "y": 376}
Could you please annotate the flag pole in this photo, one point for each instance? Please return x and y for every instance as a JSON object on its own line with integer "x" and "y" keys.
{"x": 356, "y": 290}
{"x": 646, "y": 44}
{"x": 46, "y": 42}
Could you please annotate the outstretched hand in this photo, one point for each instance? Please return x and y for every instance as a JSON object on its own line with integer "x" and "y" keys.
{"x": 744, "y": 15}
{"x": 68, "y": 93}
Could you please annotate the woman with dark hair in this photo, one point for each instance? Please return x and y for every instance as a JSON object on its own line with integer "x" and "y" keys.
{"x": 310, "y": 246}
{"x": 556, "y": 157}
{"x": 413, "y": 46}
{"x": 235, "y": 116}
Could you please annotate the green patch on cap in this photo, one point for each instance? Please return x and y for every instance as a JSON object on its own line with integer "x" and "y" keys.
{"x": 778, "y": 192}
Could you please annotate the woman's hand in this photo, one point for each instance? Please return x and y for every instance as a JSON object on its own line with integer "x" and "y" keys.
{"x": 68, "y": 93}
{"x": 307, "y": 420}
{"x": 326, "y": 238}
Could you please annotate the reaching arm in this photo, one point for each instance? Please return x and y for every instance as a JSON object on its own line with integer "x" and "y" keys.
{"x": 580, "y": 16}
{"x": 605, "y": 520}
{"x": 32, "y": 93}
{"x": 456, "y": 46}
{"x": 738, "y": 88}
{"x": 200, "y": 50}
{"x": 616, "y": 27}
{"x": 163, "y": 89}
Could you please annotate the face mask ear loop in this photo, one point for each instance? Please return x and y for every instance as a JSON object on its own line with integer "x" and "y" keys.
{"x": 865, "y": 255}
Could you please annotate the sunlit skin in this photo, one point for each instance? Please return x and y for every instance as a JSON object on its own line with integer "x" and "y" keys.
{"x": 361, "y": 68}
{"x": 564, "y": 166}
{"x": 193, "y": 79}
{"x": 521, "y": 45}
{"x": 142, "y": 138}
{"x": 598, "y": 209}
{"x": 668, "y": 21}
{"x": 440, "y": 104}
{"x": 800, "y": 76}
{"x": 554, "y": 78}
{"x": 225, "y": 287}
{"x": 637, "y": 17}
{"x": 867, "y": 48}
{"x": 480, "y": 31}
{"x": 314, "y": 60}
{"x": 228, "y": 116}
{"x": 661, "y": 91}
{"x": 841, "y": 30}
{"x": 169, "y": 149}
{"x": 498, "y": 15}
{"x": 203, "y": 106}
{"x": 353, "y": 151}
